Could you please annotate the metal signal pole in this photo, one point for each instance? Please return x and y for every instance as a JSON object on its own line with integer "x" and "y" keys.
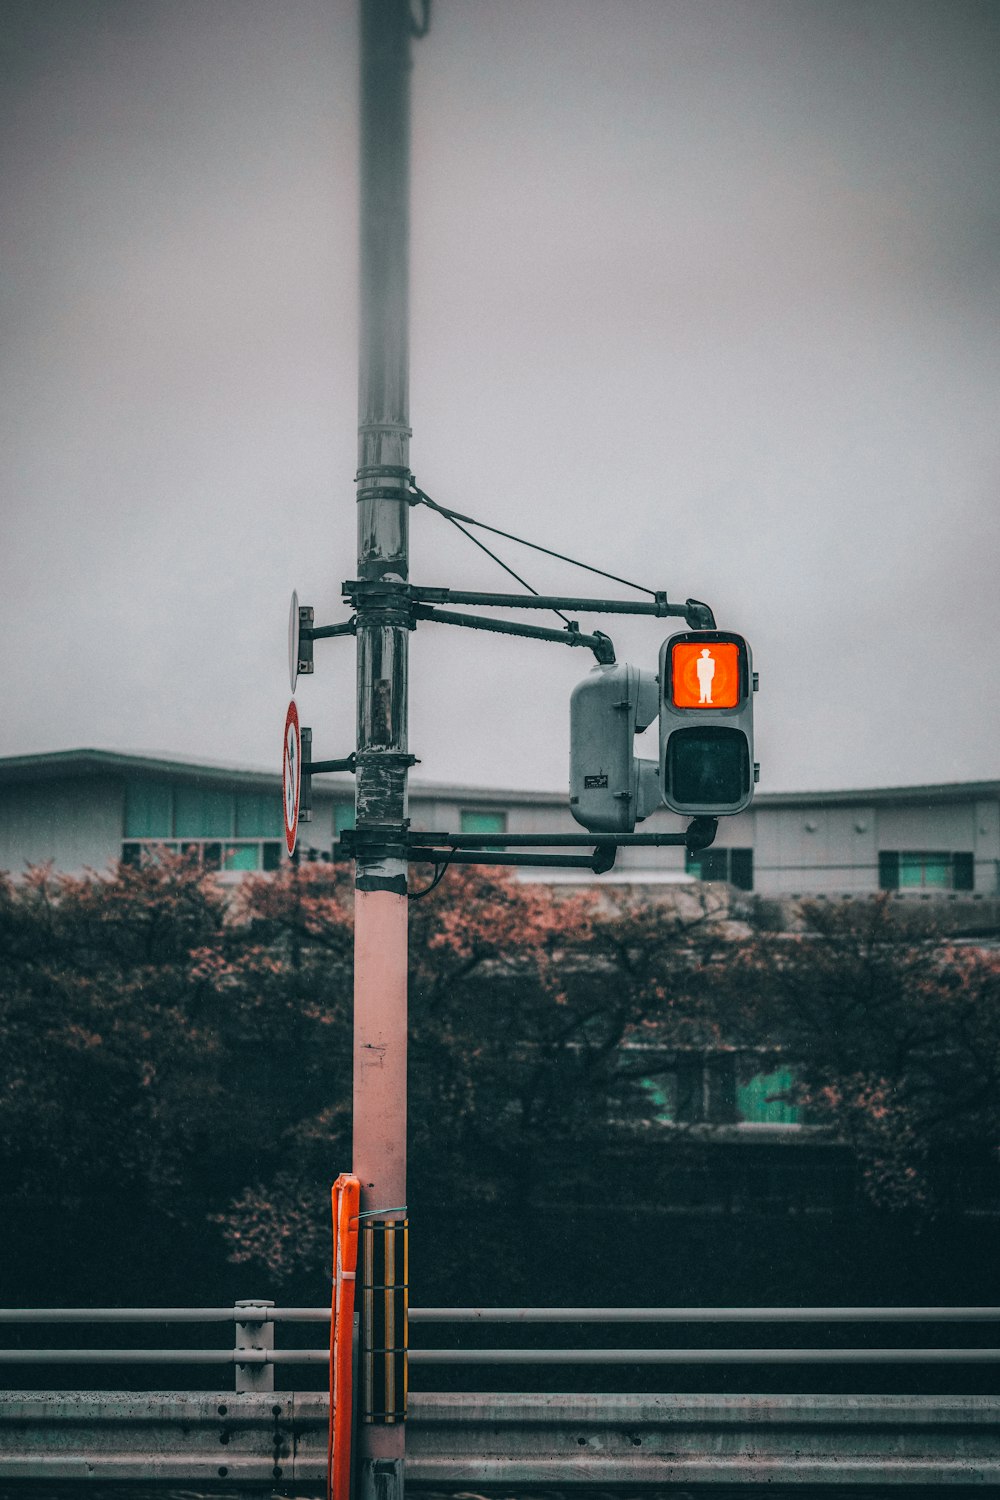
{"x": 383, "y": 622}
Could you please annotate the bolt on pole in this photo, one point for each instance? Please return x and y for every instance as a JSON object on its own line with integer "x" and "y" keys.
{"x": 380, "y": 943}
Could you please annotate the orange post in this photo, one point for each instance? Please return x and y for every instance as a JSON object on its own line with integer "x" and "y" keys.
{"x": 346, "y": 1203}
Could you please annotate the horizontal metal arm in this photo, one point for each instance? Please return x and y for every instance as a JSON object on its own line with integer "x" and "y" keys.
{"x": 602, "y": 858}
{"x": 485, "y": 848}
{"x": 699, "y": 834}
{"x": 548, "y": 840}
{"x": 324, "y": 632}
{"x": 698, "y": 615}
{"x": 601, "y": 645}
{"x": 316, "y": 767}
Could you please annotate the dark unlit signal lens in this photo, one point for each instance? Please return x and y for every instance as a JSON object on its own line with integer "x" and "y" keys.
{"x": 708, "y": 766}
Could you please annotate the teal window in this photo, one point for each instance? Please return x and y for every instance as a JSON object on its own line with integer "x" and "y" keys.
{"x": 756, "y": 1102}
{"x": 202, "y": 812}
{"x": 241, "y": 857}
{"x": 695, "y": 1090}
{"x": 149, "y": 809}
{"x": 708, "y": 864}
{"x": 343, "y": 816}
{"x": 732, "y": 865}
{"x": 925, "y": 869}
{"x": 258, "y": 815}
{"x": 698, "y": 1090}
{"x": 662, "y": 1097}
{"x": 483, "y": 822}
{"x": 343, "y": 819}
{"x": 148, "y": 853}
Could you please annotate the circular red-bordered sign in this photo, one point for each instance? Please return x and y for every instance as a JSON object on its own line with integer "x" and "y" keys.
{"x": 291, "y": 776}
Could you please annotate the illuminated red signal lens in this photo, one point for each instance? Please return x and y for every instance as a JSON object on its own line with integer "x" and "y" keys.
{"x": 705, "y": 675}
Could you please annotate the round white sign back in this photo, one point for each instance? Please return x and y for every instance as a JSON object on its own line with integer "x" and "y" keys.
{"x": 293, "y": 640}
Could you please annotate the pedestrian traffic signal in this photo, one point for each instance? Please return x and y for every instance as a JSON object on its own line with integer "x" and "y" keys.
{"x": 610, "y": 789}
{"x": 706, "y": 723}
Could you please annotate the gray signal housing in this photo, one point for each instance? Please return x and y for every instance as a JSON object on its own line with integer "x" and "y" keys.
{"x": 707, "y": 767}
{"x": 610, "y": 788}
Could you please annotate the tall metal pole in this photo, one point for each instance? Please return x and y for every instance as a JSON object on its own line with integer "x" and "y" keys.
{"x": 380, "y": 944}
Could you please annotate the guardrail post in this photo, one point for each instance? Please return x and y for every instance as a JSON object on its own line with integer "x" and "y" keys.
{"x": 253, "y": 1334}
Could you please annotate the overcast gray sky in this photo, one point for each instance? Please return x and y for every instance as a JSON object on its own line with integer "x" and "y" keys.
{"x": 704, "y": 292}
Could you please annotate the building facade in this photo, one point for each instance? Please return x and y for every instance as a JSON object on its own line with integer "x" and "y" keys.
{"x": 85, "y": 809}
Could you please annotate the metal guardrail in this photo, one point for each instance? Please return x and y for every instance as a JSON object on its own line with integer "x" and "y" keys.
{"x": 256, "y": 1437}
{"x": 419, "y": 1357}
{"x": 699, "y": 1314}
{"x": 254, "y": 1354}
{"x": 267, "y": 1312}
{"x": 801, "y": 1445}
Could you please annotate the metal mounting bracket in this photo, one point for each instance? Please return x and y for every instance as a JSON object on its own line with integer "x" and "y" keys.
{"x": 420, "y": 847}
{"x": 311, "y": 768}
{"x": 601, "y": 644}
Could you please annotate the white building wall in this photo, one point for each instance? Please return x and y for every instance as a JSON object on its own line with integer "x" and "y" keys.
{"x": 928, "y": 826}
{"x": 780, "y": 850}
{"x": 532, "y": 818}
{"x": 848, "y": 851}
{"x": 643, "y": 859}
{"x": 74, "y": 822}
{"x": 987, "y": 849}
{"x": 818, "y": 849}
{"x": 734, "y": 833}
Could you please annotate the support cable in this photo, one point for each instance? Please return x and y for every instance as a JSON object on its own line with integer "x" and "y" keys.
{"x": 420, "y": 497}
{"x": 483, "y": 548}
